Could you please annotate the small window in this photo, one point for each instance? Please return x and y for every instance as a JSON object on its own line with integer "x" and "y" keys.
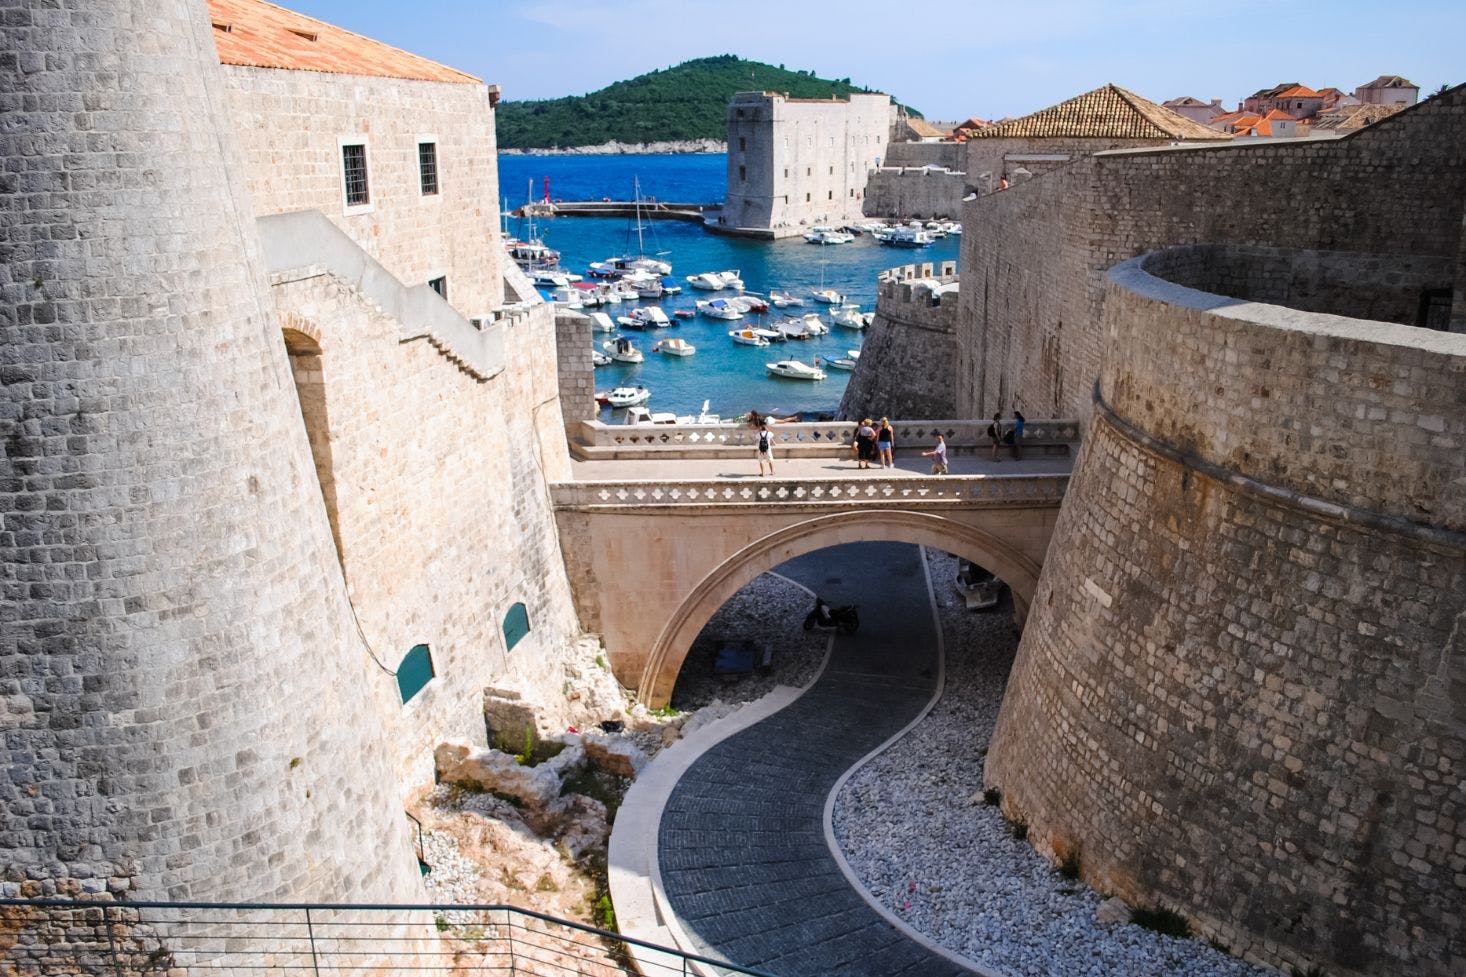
{"x": 806, "y": 198}
{"x": 415, "y": 672}
{"x": 427, "y": 167}
{"x": 742, "y": 173}
{"x": 808, "y": 171}
{"x": 786, "y": 172}
{"x": 831, "y": 195}
{"x": 516, "y": 625}
{"x": 738, "y": 113}
{"x": 440, "y": 285}
{"x": 832, "y": 171}
{"x": 742, "y": 143}
{"x": 354, "y": 166}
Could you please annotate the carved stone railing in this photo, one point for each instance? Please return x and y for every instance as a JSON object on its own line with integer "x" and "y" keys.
{"x": 960, "y": 435}
{"x": 877, "y": 491}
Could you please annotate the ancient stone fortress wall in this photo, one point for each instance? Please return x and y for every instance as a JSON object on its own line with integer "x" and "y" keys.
{"x": 292, "y": 125}
{"x": 908, "y": 344}
{"x": 920, "y": 192}
{"x": 1034, "y": 256}
{"x": 1238, "y": 694}
{"x": 948, "y": 155}
{"x": 186, "y": 709}
{"x": 795, "y": 162}
{"x": 989, "y": 160}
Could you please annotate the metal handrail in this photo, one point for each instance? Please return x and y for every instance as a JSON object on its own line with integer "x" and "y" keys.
{"x": 324, "y": 938}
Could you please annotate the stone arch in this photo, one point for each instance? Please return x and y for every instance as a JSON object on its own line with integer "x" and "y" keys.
{"x": 307, "y": 368}
{"x": 939, "y": 532}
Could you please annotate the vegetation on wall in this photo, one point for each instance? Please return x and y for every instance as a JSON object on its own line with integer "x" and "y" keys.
{"x": 685, "y": 101}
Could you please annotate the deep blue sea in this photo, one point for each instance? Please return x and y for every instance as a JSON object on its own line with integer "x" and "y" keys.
{"x": 732, "y": 377}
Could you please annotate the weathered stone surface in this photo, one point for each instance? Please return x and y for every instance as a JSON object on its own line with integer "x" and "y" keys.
{"x": 1112, "y": 912}
{"x": 614, "y": 754}
{"x": 536, "y": 788}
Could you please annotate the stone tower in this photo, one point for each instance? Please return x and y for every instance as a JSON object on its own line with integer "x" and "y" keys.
{"x": 185, "y": 707}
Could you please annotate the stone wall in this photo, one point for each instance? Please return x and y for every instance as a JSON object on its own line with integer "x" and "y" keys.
{"x": 1034, "y": 256}
{"x": 574, "y": 343}
{"x": 800, "y": 161}
{"x": 1238, "y": 691}
{"x": 1002, "y": 157}
{"x": 947, "y": 155}
{"x": 291, "y": 125}
{"x": 907, "y": 354}
{"x": 186, "y": 709}
{"x": 924, "y": 193}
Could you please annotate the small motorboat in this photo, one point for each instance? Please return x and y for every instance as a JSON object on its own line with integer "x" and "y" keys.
{"x": 854, "y": 354}
{"x": 752, "y": 303}
{"x": 674, "y": 347}
{"x": 795, "y": 370}
{"x": 784, "y": 300}
{"x": 747, "y": 337}
{"x": 600, "y": 322}
{"x": 553, "y": 278}
{"x": 772, "y": 335}
{"x": 715, "y": 281}
{"x": 908, "y": 237}
{"x": 568, "y": 297}
{"x": 837, "y": 362}
{"x": 628, "y": 396}
{"x": 597, "y": 358}
{"x": 828, "y": 235}
{"x": 701, "y": 417}
{"x": 670, "y": 286}
{"x": 622, "y": 351}
{"x": 793, "y": 328}
{"x": 720, "y": 309}
{"x": 683, "y": 313}
{"x": 650, "y": 317}
{"x": 828, "y": 296}
{"x": 848, "y": 316}
{"x": 640, "y": 415}
{"x": 813, "y": 324}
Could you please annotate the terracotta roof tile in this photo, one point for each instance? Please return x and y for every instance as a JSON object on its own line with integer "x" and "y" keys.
{"x": 1108, "y": 112}
{"x": 1348, "y": 118}
{"x": 256, "y": 34}
{"x": 924, "y": 128}
{"x": 1391, "y": 81}
{"x": 1298, "y": 91}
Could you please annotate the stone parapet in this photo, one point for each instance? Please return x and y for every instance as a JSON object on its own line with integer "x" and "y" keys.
{"x": 909, "y": 353}
{"x": 924, "y": 192}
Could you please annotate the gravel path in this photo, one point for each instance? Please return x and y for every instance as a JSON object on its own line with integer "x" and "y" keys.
{"x": 915, "y": 830}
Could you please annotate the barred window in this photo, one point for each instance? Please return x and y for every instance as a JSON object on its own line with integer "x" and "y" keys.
{"x": 354, "y": 164}
{"x": 427, "y": 167}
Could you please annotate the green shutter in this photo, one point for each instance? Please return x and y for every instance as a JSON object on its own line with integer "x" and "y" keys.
{"x": 516, "y": 625}
{"x": 415, "y": 671}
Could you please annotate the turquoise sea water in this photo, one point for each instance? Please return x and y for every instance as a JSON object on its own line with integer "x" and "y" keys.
{"x": 732, "y": 377}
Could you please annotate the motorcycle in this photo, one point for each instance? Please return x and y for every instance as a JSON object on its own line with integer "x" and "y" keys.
{"x": 844, "y": 619}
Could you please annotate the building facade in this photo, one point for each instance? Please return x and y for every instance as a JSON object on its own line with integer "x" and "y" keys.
{"x": 798, "y": 162}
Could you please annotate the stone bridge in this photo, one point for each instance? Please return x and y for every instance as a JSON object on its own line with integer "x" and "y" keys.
{"x": 662, "y": 524}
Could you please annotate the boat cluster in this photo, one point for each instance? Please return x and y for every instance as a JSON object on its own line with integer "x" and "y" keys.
{"x": 912, "y": 234}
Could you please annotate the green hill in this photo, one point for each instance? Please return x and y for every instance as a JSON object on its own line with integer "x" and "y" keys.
{"x": 686, "y": 101}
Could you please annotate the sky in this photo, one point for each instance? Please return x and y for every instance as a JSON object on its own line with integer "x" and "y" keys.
{"x": 946, "y": 58}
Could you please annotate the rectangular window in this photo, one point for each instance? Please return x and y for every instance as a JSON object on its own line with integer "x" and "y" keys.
{"x": 440, "y": 285}
{"x": 832, "y": 171}
{"x": 742, "y": 143}
{"x": 808, "y": 171}
{"x": 806, "y": 198}
{"x": 415, "y": 672}
{"x": 831, "y": 195}
{"x": 742, "y": 173}
{"x": 786, "y": 172}
{"x": 354, "y": 167}
{"x": 427, "y": 167}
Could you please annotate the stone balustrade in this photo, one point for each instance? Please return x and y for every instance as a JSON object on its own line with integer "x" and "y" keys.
{"x": 961, "y": 435}
{"x": 877, "y": 491}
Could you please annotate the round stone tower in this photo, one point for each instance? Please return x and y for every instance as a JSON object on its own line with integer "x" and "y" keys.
{"x": 186, "y": 710}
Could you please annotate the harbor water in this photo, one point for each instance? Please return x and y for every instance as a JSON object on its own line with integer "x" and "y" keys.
{"x": 731, "y": 377}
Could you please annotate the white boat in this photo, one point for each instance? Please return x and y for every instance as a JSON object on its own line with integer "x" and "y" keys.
{"x": 600, "y": 322}
{"x": 702, "y": 417}
{"x": 670, "y": 286}
{"x": 795, "y": 370}
{"x": 813, "y": 324}
{"x": 747, "y": 337}
{"x": 597, "y": 358}
{"x": 828, "y": 296}
{"x": 907, "y": 237}
{"x": 796, "y": 328}
{"x": 622, "y": 351}
{"x": 674, "y": 347}
{"x": 640, "y": 415}
{"x": 954, "y": 227}
{"x": 716, "y": 281}
{"x": 651, "y": 317}
{"x": 784, "y": 300}
{"x": 568, "y": 297}
{"x": 628, "y": 396}
{"x": 837, "y": 362}
{"x": 854, "y": 354}
{"x": 553, "y": 278}
{"x": 772, "y": 335}
{"x": 848, "y": 315}
{"x": 720, "y": 309}
{"x": 828, "y": 235}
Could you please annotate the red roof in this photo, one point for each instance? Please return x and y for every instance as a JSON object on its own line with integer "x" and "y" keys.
{"x": 1298, "y": 91}
{"x": 256, "y": 34}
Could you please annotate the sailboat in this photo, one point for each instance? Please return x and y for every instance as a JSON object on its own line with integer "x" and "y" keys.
{"x": 639, "y": 262}
{"x": 529, "y": 252}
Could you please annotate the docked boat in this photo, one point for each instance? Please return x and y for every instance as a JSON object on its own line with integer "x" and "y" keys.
{"x": 753, "y": 303}
{"x": 907, "y": 237}
{"x": 670, "y": 286}
{"x": 803, "y": 327}
{"x": 837, "y": 362}
{"x": 650, "y": 317}
{"x": 702, "y": 417}
{"x": 828, "y": 296}
{"x": 747, "y": 337}
{"x": 622, "y": 351}
{"x": 568, "y": 297}
{"x": 640, "y": 415}
{"x": 828, "y": 235}
{"x": 600, "y": 322}
{"x": 683, "y": 313}
{"x": 795, "y": 370}
{"x": 784, "y": 300}
{"x": 533, "y": 252}
{"x": 848, "y": 315}
{"x": 597, "y": 358}
{"x": 772, "y": 335}
{"x": 854, "y": 354}
{"x": 628, "y": 396}
{"x": 552, "y": 277}
{"x": 720, "y": 309}
{"x": 674, "y": 347}
{"x": 716, "y": 281}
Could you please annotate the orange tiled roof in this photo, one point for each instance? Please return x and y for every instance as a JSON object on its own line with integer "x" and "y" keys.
{"x": 1348, "y": 118}
{"x": 924, "y": 128}
{"x": 1298, "y": 91}
{"x": 1108, "y": 112}
{"x": 256, "y": 34}
{"x": 1390, "y": 81}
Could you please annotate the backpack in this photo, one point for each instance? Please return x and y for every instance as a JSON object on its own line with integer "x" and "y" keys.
{"x": 763, "y": 440}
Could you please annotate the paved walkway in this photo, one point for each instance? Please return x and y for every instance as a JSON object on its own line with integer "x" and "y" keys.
{"x": 741, "y": 846}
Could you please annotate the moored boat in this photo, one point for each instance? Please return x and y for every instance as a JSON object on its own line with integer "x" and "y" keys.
{"x": 715, "y": 281}
{"x": 670, "y": 286}
{"x": 795, "y": 370}
{"x": 597, "y": 358}
{"x": 674, "y": 347}
{"x": 600, "y": 322}
{"x": 908, "y": 237}
{"x": 828, "y": 235}
{"x": 783, "y": 300}
{"x": 622, "y": 351}
{"x": 828, "y": 296}
{"x": 837, "y": 362}
{"x": 720, "y": 309}
{"x": 628, "y": 396}
{"x": 747, "y": 337}
{"x": 848, "y": 315}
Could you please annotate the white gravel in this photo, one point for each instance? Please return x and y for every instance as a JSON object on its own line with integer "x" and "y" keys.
{"x": 949, "y": 865}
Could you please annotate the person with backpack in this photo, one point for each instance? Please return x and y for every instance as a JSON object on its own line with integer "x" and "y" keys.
{"x": 764, "y": 424}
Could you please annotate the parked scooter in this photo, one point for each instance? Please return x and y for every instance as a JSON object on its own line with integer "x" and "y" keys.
{"x": 844, "y": 619}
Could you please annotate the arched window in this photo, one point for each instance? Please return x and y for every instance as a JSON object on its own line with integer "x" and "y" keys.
{"x": 516, "y": 625}
{"x": 415, "y": 671}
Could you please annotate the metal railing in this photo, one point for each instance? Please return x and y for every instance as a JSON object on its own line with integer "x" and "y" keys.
{"x": 154, "y": 939}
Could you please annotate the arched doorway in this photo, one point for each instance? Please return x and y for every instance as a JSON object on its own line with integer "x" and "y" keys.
{"x": 938, "y": 532}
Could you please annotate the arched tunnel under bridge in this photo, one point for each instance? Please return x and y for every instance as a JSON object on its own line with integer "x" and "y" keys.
{"x": 651, "y": 563}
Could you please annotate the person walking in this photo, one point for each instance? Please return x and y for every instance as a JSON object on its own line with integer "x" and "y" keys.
{"x": 1015, "y": 438}
{"x": 995, "y": 432}
{"x": 865, "y": 443}
{"x": 938, "y": 455}
{"x": 886, "y": 443}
